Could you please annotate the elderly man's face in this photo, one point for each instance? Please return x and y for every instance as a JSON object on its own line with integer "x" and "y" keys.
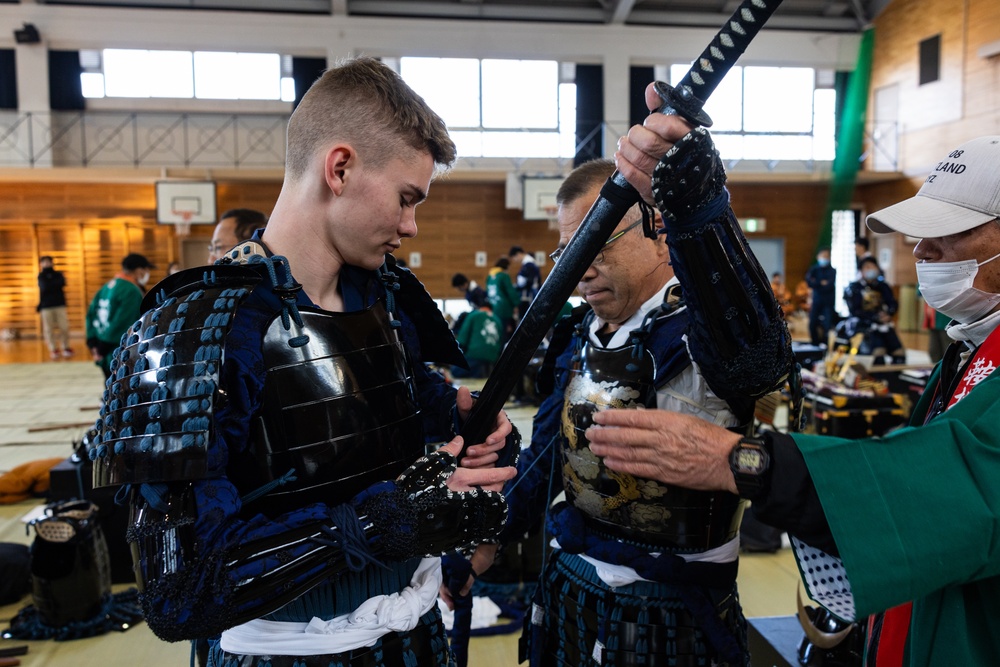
{"x": 626, "y": 273}
{"x": 979, "y": 243}
{"x": 223, "y": 239}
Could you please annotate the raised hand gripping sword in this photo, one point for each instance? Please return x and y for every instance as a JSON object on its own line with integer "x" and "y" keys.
{"x": 617, "y": 197}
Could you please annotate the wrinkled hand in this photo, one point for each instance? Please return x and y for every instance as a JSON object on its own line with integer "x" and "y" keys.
{"x": 670, "y": 447}
{"x": 482, "y": 560}
{"x": 483, "y": 454}
{"x": 641, "y": 150}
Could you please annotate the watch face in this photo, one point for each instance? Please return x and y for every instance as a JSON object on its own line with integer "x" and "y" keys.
{"x": 749, "y": 459}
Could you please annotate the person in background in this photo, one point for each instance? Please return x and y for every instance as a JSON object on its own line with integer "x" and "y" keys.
{"x": 502, "y": 295}
{"x": 900, "y": 529}
{"x": 529, "y": 278}
{"x": 52, "y": 308}
{"x": 862, "y": 251}
{"x": 115, "y": 307}
{"x": 872, "y": 305}
{"x": 473, "y": 293}
{"x": 235, "y": 226}
{"x": 173, "y": 267}
{"x": 822, "y": 280}
{"x": 781, "y": 294}
{"x": 803, "y": 297}
{"x": 479, "y": 336}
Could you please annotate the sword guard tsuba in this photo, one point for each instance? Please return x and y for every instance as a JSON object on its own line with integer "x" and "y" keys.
{"x": 682, "y": 102}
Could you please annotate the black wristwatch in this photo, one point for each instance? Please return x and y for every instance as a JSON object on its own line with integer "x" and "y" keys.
{"x": 750, "y": 462}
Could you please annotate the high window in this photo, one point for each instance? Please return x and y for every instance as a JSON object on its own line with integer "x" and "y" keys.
{"x": 770, "y": 113}
{"x": 204, "y": 75}
{"x": 498, "y": 108}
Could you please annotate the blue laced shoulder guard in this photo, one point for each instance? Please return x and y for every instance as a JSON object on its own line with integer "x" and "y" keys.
{"x": 738, "y": 334}
{"x": 158, "y": 403}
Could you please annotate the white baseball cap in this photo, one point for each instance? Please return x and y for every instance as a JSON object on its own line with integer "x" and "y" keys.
{"x": 962, "y": 192}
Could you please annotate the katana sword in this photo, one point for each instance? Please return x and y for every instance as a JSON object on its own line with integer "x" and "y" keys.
{"x": 617, "y": 196}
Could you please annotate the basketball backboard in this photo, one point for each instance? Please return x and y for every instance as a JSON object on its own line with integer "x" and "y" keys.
{"x": 185, "y": 202}
{"x": 540, "y": 195}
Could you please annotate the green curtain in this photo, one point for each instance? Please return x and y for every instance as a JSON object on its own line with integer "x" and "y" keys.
{"x": 850, "y": 138}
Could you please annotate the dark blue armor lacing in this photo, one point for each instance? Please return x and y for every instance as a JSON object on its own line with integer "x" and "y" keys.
{"x": 391, "y": 282}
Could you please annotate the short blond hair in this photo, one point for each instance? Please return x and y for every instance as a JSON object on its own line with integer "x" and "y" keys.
{"x": 365, "y": 103}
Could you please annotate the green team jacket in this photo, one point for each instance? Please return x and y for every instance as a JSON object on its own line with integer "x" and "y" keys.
{"x": 113, "y": 310}
{"x": 916, "y": 516}
{"x": 480, "y": 336}
{"x": 501, "y": 293}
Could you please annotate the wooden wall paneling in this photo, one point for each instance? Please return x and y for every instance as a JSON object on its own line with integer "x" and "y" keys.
{"x": 879, "y": 196}
{"x": 982, "y": 75}
{"x": 18, "y": 279}
{"x": 793, "y": 212}
{"x": 62, "y": 240}
{"x": 458, "y": 220}
{"x": 258, "y": 195}
{"x": 965, "y": 103}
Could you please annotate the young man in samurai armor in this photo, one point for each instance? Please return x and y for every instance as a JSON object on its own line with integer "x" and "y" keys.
{"x": 270, "y": 413}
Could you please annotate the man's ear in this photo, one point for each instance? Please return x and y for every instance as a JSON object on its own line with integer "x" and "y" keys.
{"x": 340, "y": 159}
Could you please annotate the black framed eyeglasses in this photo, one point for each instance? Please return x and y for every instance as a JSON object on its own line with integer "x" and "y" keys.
{"x": 557, "y": 253}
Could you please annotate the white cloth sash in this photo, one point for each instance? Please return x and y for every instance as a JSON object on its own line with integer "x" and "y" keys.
{"x": 375, "y": 617}
{"x": 622, "y": 575}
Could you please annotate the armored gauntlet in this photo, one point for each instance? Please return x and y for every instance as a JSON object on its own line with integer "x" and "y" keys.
{"x": 418, "y": 515}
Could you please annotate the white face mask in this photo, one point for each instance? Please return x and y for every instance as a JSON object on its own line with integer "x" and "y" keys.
{"x": 947, "y": 288}
{"x": 143, "y": 278}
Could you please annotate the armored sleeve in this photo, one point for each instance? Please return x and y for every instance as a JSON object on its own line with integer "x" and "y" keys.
{"x": 738, "y": 335}
{"x": 202, "y": 569}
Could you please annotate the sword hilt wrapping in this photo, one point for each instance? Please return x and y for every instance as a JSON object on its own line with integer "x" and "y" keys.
{"x": 689, "y": 96}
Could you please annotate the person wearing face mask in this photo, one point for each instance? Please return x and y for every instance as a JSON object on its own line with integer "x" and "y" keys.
{"x": 822, "y": 280}
{"x": 115, "y": 307}
{"x": 871, "y": 305}
{"x": 898, "y": 532}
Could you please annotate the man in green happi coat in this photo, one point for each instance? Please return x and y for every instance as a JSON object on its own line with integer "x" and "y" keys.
{"x": 900, "y": 529}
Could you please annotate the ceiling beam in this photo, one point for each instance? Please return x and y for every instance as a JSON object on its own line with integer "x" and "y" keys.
{"x": 714, "y": 20}
{"x": 620, "y": 11}
{"x": 447, "y": 10}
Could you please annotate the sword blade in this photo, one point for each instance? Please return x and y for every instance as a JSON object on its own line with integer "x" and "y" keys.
{"x": 617, "y": 197}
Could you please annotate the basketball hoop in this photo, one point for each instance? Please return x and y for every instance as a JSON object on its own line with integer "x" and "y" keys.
{"x": 183, "y": 228}
{"x": 552, "y": 215}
